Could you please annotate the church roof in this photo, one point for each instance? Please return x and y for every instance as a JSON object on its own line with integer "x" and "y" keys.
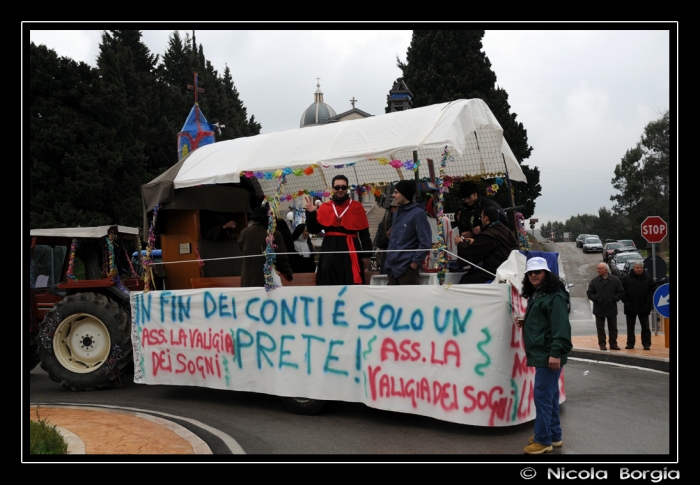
{"x": 318, "y": 113}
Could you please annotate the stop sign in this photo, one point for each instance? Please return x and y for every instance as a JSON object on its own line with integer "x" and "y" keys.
{"x": 654, "y": 229}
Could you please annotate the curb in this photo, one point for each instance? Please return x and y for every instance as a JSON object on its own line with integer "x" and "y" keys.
{"x": 654, "y": 363}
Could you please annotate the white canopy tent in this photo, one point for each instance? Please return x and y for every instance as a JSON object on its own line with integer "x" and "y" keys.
{"x": 362, "y": 150}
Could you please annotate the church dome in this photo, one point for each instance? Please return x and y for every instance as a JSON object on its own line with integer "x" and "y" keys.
{"x": 318, "y": 113}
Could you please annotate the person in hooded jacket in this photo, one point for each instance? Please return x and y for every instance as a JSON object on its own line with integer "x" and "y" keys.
{"x": 410, "y": 229}
{"x": 547, "y": 340}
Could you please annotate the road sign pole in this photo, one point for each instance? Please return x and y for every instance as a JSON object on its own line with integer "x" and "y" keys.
{"x": 653, "y": 270}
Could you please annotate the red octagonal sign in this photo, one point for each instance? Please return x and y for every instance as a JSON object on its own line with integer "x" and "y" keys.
{"x": 654, "y": 229}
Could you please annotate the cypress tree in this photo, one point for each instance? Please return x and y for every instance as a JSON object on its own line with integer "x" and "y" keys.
{"x": 446, "y": 65}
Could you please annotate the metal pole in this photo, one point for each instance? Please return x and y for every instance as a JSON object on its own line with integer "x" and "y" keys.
{"x": 655, "y": 319}
{"x": 510, "y": 192}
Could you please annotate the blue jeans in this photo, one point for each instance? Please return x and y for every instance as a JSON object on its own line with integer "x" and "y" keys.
{"x": 547, "y": 425}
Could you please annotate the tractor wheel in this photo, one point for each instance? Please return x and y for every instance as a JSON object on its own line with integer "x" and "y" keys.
{"x": 85, "y": 342}
{"x": 300, "y": 405}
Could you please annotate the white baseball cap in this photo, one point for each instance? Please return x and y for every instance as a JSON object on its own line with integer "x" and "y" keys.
{"x": 533, "y": 264}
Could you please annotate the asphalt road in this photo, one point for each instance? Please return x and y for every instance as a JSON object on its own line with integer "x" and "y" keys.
{"x": 610, "y": 411}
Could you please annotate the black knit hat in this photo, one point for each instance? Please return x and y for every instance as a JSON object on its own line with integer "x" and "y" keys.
{"x": 406, "y": 188}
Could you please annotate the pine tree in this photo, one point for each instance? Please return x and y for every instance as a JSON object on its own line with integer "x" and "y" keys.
{"x": 64, "y": 186}
{"x": 446, "y": 65}
{"x": 643, "y": 177}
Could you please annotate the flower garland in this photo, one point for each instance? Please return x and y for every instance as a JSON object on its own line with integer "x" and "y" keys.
{"x": 493, "y": 188}
{"x": 112, "y": 269}
{"x": 441, "y": 258}
{"x": 522, "y": 232}
{"x": 113, "y": 272}
{"x": 298, "y": 172}
{"x": 147, "y": 262}
{"x": 407, "y": 164}
{"x": 138, "y": 251}
{"x": 71, "y": 260}
{"x": 270, "y": 256}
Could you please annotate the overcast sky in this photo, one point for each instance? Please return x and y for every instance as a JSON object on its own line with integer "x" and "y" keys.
{"x": 584, "y": 96}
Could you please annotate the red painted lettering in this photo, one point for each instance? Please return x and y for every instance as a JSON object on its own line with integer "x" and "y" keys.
{"x": 432, "y": 355}
{"x": 372, "y": 380}
{"x": 388, "y": 347}
{"x": 451, "y": 348}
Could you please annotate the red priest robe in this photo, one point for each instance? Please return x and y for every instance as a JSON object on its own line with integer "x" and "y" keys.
{"x": 346, "y": 229}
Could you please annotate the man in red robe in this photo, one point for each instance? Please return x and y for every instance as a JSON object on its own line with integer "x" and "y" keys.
{"x": 347, "y": 246}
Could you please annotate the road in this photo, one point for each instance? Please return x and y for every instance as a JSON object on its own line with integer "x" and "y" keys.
{"x": 596, "y": 418}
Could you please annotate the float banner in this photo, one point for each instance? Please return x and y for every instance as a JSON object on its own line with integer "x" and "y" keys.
{"x": 448, "y": 352}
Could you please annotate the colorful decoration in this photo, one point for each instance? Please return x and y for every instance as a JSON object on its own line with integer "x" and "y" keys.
{"x": 112, "y": 270}
{"x": 439, "y": 180}
{"x": 493, "y": 188}
{"x": 297, "y": 172}
{"x": 147, "y": 262}
{"x": 522, "y": 232}
{"x": 270, "y": 256}
{"x": 71, "y": 260}
{"x": 197, "y": 131}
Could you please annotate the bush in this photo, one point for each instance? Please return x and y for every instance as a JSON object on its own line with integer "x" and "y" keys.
{"x": 44, "y": 439}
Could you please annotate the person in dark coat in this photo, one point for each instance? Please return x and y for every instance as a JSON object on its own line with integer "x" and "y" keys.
{"x": 221, "y": 230}
{"x": 303, "y": 259}
{"x": 491, "y": 247}
{"x": 639, "y": 295}
{"x": 283, "y": 228}
{"x": 381, "y": 239}
{"x": 347, "y": 246}
{"x": 468, "y": 217}
{"x": 605, "y": 290}
{"x": 253, "y": 241}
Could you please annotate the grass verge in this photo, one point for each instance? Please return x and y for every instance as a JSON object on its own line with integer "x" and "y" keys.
{"x": 44, "y": 439}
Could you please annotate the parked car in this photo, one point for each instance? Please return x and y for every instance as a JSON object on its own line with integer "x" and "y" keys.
{"x": 619, "y": 261}
{"x": 628, "y": 245}
{"x": 592, "y": 244}
{"x": 580, "y": 239}
{"x": 610, "y": 249}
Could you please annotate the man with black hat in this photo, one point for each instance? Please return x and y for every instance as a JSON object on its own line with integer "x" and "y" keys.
{"x": 410, "y": 229}
{"x": 491, "y": 248}
{"x": 469, "y": 217}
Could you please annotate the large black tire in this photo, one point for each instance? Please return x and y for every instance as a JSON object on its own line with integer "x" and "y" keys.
{"x": 300, "y": 405}
{"x": 85, "y": 342}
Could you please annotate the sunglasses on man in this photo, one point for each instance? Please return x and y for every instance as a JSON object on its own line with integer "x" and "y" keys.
{"x": 535, "y": 272}
{"x": 340, "y": 187}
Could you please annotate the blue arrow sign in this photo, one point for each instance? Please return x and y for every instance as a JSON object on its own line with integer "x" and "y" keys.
{"x": 661, "y": 303}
